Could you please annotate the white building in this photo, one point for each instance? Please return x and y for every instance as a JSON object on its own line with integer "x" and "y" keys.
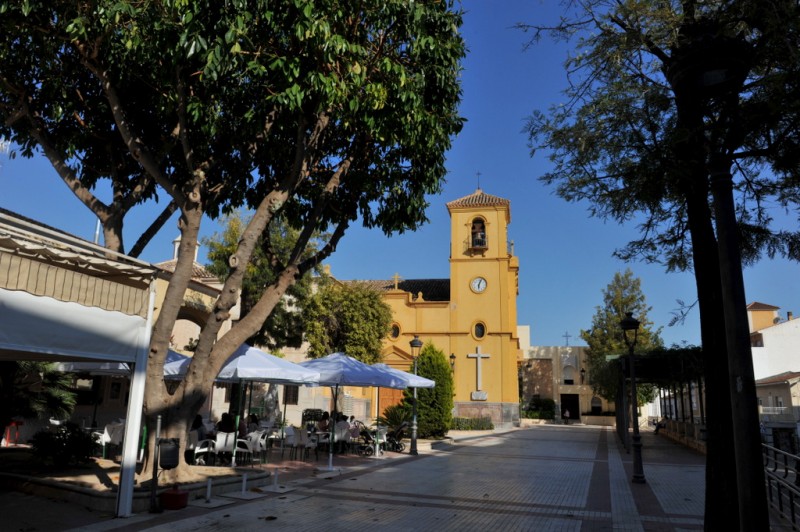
{"x": 775, "y": 341}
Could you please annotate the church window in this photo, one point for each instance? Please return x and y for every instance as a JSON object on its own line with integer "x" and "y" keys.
{"x": 395, "y": 331}
{"x": 479, "y": 331}
{"x": 479, "y": 234}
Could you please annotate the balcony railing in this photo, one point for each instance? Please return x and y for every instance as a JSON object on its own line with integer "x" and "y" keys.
{"x": 781, "y": 475}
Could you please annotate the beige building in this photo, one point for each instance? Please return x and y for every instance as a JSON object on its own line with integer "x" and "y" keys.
{"x": 559, "y": 373}
{"x": 779, "y": 409}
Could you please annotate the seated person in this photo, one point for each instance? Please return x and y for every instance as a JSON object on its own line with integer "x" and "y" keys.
{"x": 226, "y": 423}
{"x": 342, "y": 432}
{"x": 324, "y": 424}
{"x": 252, "y": 423}
{"x": 197, "y": 425}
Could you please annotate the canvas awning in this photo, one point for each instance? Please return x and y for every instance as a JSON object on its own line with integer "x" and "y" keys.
{"x": 65, "y": 299}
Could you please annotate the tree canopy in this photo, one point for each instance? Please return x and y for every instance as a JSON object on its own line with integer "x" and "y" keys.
{"x": 350, "y": 318}
{"x": 605, "y": 337}
{"x": 615, "y": 140}
{"x": 322, "y": 114}
{"x": 682, "y": 115}
{"x": 284, "y": 326}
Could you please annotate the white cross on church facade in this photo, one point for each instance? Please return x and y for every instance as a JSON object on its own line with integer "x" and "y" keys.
{"x": 479, "y": 394}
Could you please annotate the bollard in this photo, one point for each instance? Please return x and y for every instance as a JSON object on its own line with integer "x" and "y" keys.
{"x": 275, "y": 478}
{"x": 244, "y": 483}
{"x": 208, "y": 491}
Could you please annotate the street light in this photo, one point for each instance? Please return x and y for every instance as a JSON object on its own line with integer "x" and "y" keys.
{"x": 583, "y": 375}
{"x": 630, "y": 332}
{"x": 416, "y": 345}
{"x": 452, "y": 361}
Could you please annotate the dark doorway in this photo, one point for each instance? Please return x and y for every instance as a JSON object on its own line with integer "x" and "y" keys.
{"x": 570, "y": 402}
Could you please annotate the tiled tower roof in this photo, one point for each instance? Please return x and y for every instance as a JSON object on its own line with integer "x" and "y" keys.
{"x": 478, "y": 199}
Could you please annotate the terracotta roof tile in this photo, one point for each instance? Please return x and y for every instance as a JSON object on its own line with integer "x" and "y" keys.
{"x": 779, "y": 378}
{"x": 755, "y": 305}
{"x": 432, "y": 289}
{"x": 198, "y": 270}
{"x": 478, "y": 199}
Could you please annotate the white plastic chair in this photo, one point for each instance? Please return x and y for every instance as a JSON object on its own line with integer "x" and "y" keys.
{"x": 201, "y": 449}
{"x": 296, "y": 441}
{"x": 262, "y": 445}
{"x": 288, "y": 440}
{"x": 225, "y": 443}
{"x": 343, "y": 438}
{"x": 243, "y": 451}
{"x": 305, "y": 444}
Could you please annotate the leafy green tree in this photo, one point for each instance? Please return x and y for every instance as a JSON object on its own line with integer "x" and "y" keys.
{"x": 320, "y": 113}
{"x": 605, "y": 337}
{"x": 350, "y": 317}
{"x": 284, "y": 326}
{"x": 434, "y": 405}
{"x": 685, "y": 111}
{"x": 34, "y": 390}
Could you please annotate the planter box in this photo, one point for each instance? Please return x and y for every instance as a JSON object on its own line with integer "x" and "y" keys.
{"x": 174, "y": 499}
{"x": 605, "y": 421}
{"x": 525, "y": 422}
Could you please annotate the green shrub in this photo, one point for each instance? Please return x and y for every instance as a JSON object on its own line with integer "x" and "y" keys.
{"x": 470, "y": 423}
{"x": 394, "y": 416}
{"x": 64, "y": 445}
{"x": 539, "y": 409}
{"x": 434, "y": 405}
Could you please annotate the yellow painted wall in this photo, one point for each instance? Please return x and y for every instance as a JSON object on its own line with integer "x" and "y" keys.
{"x": 761, "y": 319}
{"x": 450, "y": 325}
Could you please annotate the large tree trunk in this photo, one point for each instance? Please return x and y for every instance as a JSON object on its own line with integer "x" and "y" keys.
{"x": 753, "y": 511}
{"x": 720, "y": 459}
{"x": 179, "y": 409}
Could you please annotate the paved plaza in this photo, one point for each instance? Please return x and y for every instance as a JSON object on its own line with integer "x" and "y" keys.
{"x": 547, "y": 477}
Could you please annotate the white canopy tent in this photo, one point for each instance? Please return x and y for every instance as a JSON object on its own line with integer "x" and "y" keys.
{"x": 64, "y": 299}
{"x": 249, "y": 363}
{"x": 411, "y": 380}
{"x": 338, "y": 369}
{"x": 116, "y": 369}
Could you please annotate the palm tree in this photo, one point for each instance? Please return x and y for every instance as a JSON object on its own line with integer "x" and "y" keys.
{"x": 31, "y": 389}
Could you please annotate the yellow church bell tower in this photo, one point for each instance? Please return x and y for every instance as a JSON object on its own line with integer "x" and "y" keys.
{"x": 471, "y": 317}
{"x": 484, "y": 284}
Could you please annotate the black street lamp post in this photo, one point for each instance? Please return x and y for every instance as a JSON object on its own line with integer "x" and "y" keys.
{"x": 416, "y": 345}
{"x": 630, "y": 332}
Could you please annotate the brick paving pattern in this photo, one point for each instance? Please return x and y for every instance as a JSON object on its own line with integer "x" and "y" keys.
{"x": 550, "y": 478}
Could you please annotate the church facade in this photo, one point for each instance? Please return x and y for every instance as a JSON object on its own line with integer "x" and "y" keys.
{"x": 471, "y": 317}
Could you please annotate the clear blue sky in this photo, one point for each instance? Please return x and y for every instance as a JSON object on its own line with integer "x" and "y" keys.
{"x": 565, "y": 256}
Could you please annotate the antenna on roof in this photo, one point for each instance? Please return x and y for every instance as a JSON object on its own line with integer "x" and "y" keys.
{"x": 478, "y": 175}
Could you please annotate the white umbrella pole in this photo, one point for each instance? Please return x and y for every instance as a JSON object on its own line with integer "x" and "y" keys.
{"x": 332, "y": 432}
{"x": 377, "y": 424}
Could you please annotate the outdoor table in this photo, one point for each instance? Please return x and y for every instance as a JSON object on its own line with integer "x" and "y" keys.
{"x": 113, "y": 433}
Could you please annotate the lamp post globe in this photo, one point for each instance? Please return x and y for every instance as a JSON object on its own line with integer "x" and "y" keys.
{"x": 416, "y": 345}
{"x": 630, "y": 333}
